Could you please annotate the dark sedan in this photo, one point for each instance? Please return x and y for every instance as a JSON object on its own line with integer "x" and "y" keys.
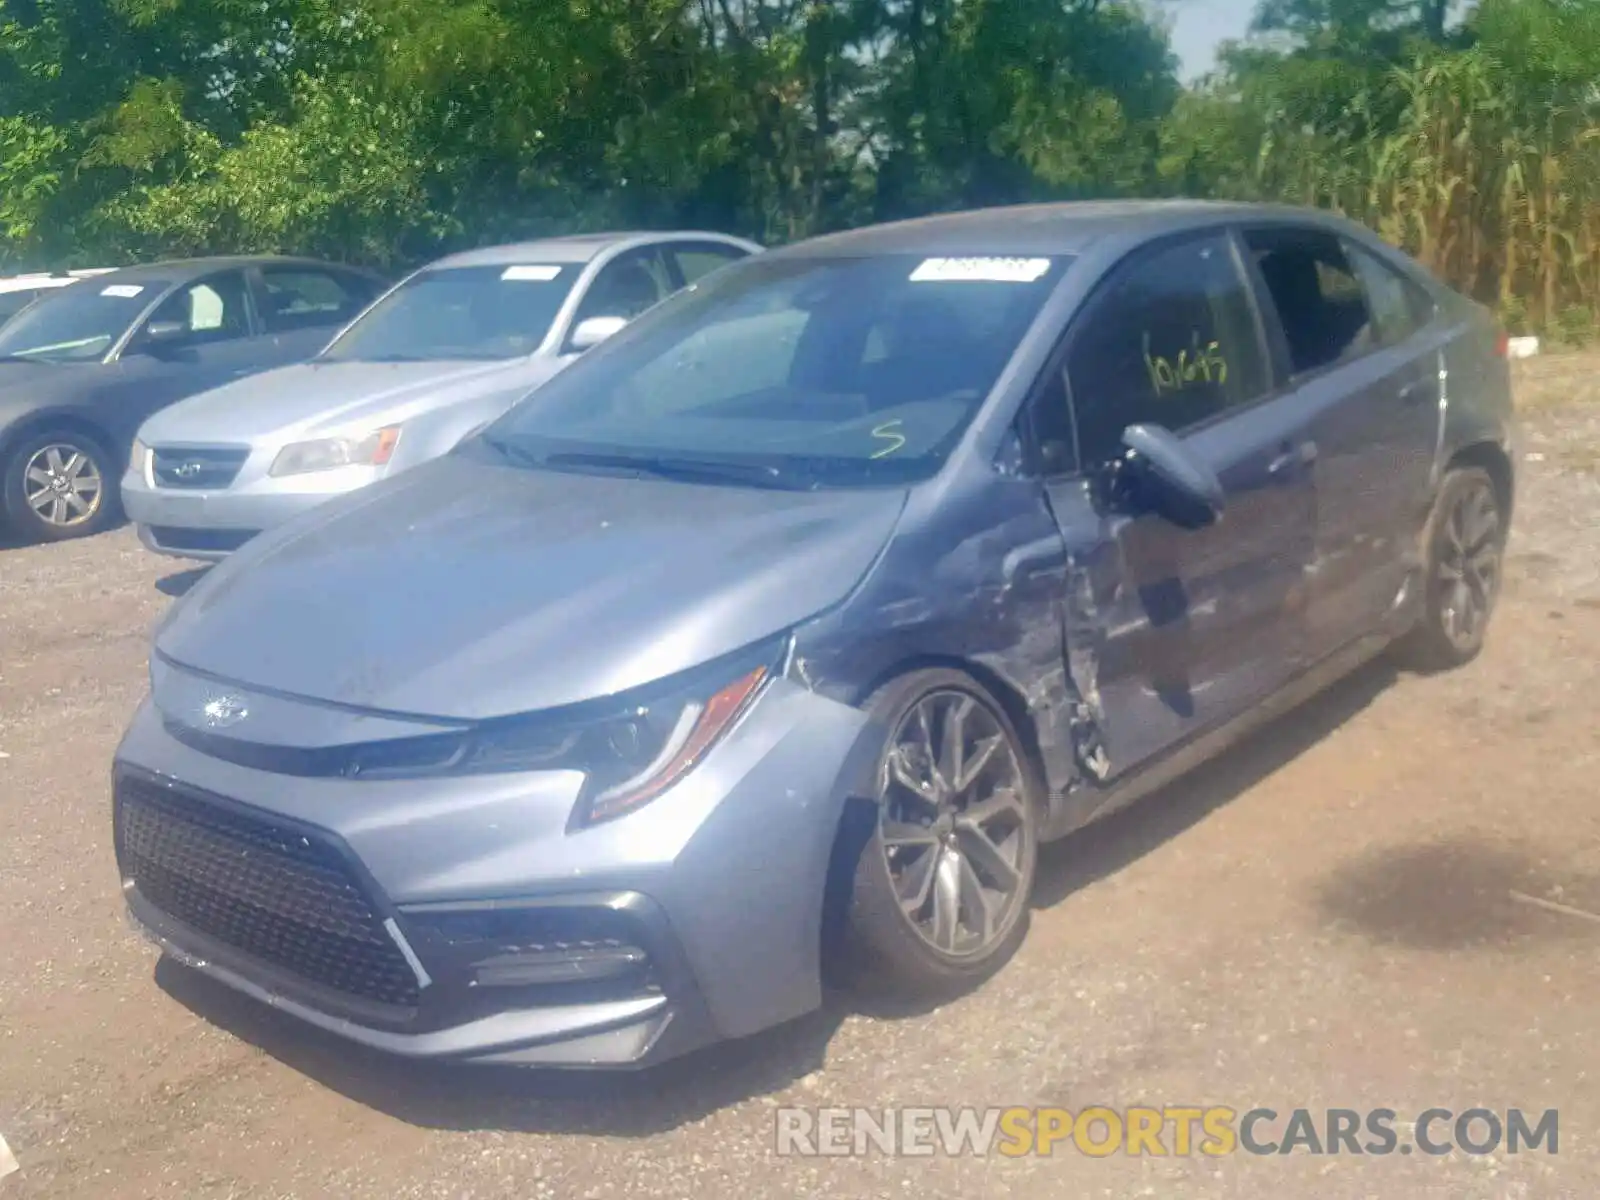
{"x": 80, "y": 370}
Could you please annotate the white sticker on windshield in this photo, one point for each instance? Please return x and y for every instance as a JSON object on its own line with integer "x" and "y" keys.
{"x": 984, "y": 270}
{"x": 123, "y": 291}
{"x": 534, "y": 274}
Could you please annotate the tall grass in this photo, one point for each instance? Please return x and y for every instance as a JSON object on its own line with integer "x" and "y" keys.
{"x": 1482, "y": 162}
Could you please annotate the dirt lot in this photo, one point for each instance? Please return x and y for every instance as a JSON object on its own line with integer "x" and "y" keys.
{"x": 1323, "y": 917}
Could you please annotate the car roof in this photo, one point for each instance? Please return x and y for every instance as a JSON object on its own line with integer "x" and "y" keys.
{"x": 22, "y": 283}
{"x": 1068, "y": 227}
{"x": 181, "y": 270}
{"x": 572, "y": 248}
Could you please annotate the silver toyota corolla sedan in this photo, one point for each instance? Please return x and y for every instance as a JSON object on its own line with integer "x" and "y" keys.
{"x": 448, "y": 350}
{"x": 799, "y": 614}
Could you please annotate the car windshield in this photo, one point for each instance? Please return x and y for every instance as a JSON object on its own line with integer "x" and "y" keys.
{"x": 79, "y": 323}
{"x": 489, "y": 312}
{"x": 797, "y": 372}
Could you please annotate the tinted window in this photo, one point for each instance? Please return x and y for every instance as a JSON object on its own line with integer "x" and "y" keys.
{"x": 488, "y": 312}
{"x": 1173, "y": 342}
{"x": 301, "y": 298}
{"x": 627, "y": 286}
{"x": 213, "y": 309}
{"x": 700, "y": 260}
{"x": 808, "y": 371}
{"x": 79, "y": 323}
{"x": 1316, "y": 295}
{"x": 1399, "y": 307}
{"x": 11, "y": 303}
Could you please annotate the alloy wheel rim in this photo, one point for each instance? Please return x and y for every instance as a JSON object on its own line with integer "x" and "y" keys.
{"x": 953, "y": 823}
{"x": 1468, "y": 570}
{"x": 62, "y": 485}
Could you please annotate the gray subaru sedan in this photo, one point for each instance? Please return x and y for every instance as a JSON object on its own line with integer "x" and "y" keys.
{"x": 793, "y": 619}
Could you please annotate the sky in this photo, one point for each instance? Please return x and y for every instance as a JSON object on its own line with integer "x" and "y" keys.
{"x": 1199, "y": 25}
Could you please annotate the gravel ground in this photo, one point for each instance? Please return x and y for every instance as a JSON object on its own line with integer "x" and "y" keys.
{"x": 1321, "y": 918}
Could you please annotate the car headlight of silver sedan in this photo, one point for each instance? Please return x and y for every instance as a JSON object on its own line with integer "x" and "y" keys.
{"x": 327, "y": 454}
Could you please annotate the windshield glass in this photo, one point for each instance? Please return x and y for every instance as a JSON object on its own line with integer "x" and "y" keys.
{"x": 79, "y": 323}
{"x": 812, "y": 372}
{"x": 460, "y": 312}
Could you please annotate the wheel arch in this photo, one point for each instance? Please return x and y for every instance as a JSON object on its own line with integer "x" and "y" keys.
{"x": 1493, "y": 459}
{"x": 1006, "y": 694}
{"x": 48, "y": 420}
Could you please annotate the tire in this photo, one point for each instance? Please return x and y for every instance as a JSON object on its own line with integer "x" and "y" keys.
{"x": 1465, "y": 547}
{"x": 41, "y": 510}
{"x": 927, "y": 846}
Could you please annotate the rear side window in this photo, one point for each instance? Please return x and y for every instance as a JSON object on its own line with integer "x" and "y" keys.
{"x": 1399, "y": 307}
{"x": 302, "y": 298}
{"x": 1173, "y": 342}
{"x": 1316, "y": 294}
{"x": 702, "y": 258}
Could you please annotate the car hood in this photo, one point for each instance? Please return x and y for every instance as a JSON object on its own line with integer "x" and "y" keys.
{"x": 318, "y": 398}
{"x": 467, "y": 590}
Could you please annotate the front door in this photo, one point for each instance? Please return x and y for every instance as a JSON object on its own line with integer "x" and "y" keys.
{"x": 218, "y": 340}
{"x": 1181, "y": 628}
{"x": 1365, "y": 372}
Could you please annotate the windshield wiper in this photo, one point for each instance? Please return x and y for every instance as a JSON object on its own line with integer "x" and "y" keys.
{"x": 667, "y": 466}
{"x": 27, "y": 358}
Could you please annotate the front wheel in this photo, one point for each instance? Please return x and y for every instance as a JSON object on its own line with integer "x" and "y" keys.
{"x": 1465, "y": 545}
{"x": 941, "y": 890}
{"x": 57, "y": 485}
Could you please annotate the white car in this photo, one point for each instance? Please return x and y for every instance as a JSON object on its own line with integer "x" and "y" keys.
{"x": 19, "y": 291}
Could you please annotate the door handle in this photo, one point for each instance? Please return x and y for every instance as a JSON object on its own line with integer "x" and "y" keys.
{"x": 1293, "y": 457}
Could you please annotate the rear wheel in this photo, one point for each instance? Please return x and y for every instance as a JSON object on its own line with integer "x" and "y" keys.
{"x": 58, "y": 485}
{"x": 1466, "y": 543}
{"x": 941, "y": 889}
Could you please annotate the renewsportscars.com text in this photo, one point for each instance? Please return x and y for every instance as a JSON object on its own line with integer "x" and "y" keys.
{"x": 1172, "y": 1130}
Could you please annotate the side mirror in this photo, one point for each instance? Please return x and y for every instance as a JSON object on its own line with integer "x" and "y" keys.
{"x": 595, "y": 330}
{"x": 160, "y": 335}
{"x": 1158, "y": 453}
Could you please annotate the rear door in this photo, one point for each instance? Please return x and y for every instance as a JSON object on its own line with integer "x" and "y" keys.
{"x": 302, "y": 306}
{"x": 1194, "y": 625}
{"x": 1356, "y": 342}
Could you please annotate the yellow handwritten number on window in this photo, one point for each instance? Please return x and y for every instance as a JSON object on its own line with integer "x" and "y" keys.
{"x": 1193, "y": 365}
{"x": 888, "y": 432}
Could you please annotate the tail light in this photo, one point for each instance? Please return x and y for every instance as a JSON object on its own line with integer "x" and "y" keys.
{"x": 1502, "y": 344}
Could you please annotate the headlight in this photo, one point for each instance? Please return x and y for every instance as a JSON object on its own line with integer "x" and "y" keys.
{"x": 325, "y": 454}
{"x": 139, "y": 458}
{"x": 630, "y": 749}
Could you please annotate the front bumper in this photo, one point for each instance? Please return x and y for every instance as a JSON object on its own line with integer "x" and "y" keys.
{"x": 209, "y": 524}
{"x": 718, "y": 884}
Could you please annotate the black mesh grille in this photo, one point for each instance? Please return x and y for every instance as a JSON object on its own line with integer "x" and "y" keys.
{"x": 269, "y": 891}
{"x": 213, "y": 467}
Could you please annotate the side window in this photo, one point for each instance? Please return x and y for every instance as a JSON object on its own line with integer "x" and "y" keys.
{"x": 301, "y": 298}
{"x": 1173, "y": 342}
{"x": 627, "y": 286}
{"x": 11, "y": 303}
{"x": 1399, "y": 307}
{"x": 213, "y": 309}
{"x": 1320, "y": 303}
{"x": 701, "y": 258}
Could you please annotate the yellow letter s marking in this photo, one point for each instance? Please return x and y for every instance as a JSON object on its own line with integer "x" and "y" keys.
{"x": 888, "y": 432}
